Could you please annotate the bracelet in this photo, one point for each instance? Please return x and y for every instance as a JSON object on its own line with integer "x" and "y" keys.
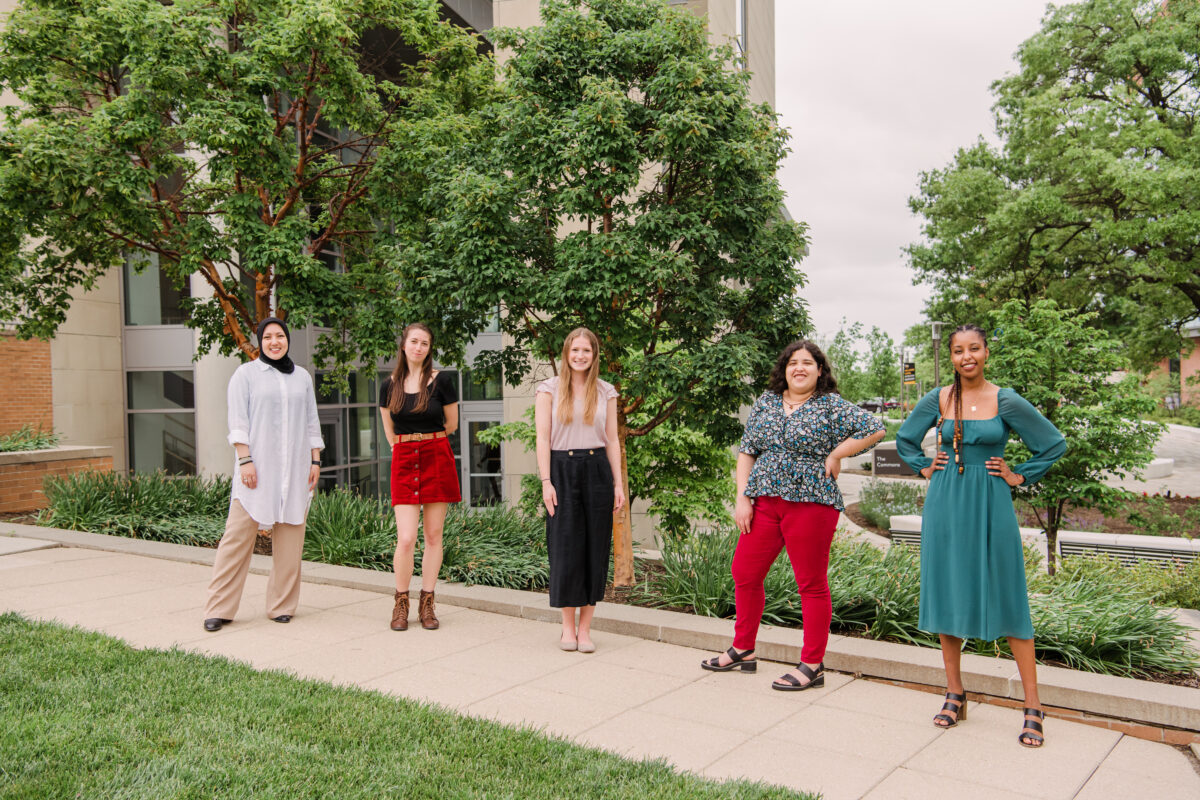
{"x": 545, "y": 479}
{"x": 244, "y": 461}
{"x": 316, "y": 463}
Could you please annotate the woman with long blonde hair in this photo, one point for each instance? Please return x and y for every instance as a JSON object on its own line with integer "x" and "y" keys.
{"x": 579, "y": 462}
{"x": 419, "y": 408}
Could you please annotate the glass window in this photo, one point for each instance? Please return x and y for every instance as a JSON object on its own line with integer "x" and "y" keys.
{"x": 329, "y": 435}
{"x": 150, "y": 298}
{"x": 331, "y": 479}
{"x": 163, "y": 442}
{"x": 360, "y": 390}
{"x": 481, "y": 388}
{"x": 360, "y": 425}
{"x": 493, "y": 323}
{"x": 327, "y": 391}
{"x": 484, "y": 464}
{"x": 160, "y": 390}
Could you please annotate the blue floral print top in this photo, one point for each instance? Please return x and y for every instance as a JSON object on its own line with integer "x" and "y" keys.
{"x": 791, "y": 450}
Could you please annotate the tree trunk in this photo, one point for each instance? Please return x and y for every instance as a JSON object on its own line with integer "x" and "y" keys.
{"x": 1053, "y": 520}
{"x": 622, "y": 530}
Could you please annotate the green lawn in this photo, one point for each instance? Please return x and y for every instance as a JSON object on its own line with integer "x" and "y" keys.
{"x": 85, "y": 715}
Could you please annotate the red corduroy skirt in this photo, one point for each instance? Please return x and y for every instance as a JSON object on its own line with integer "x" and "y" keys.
{"x": 424, "y": 472}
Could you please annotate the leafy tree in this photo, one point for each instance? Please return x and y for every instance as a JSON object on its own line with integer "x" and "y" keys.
{"x": 1093, "y": 197}
{"x": 1063, "y": 365}
{"x": 842, "y": 350}
{"x": 625, "y": 182}
{"x": 883, "y": 364}
{"x": 240, "y": 140}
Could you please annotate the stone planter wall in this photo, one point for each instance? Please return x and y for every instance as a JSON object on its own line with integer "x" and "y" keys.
{"x": 1128, "y": 548}
{"x": 22, "y": 473}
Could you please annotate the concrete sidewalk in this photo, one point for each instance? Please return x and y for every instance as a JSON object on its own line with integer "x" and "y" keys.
{"x": 853, "y": 738}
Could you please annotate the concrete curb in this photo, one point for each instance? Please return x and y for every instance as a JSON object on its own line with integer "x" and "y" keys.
{"x": 1104, "y": 695}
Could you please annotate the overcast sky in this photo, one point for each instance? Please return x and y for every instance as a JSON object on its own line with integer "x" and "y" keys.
{"x": 874, "y": 92}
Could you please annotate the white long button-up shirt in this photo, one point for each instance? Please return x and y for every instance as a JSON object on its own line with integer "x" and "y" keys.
{"x": 276, "y": 415}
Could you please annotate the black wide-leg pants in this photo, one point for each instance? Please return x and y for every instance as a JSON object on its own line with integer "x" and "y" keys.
{"x": 579, "y": 535}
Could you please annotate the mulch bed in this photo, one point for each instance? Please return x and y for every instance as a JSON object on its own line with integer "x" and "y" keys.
{"x": 1089, "y": 519}
{"x": 853, "y": 513}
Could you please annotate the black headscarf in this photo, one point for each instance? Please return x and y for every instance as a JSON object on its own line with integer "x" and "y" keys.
{"x": 284, "y": 364}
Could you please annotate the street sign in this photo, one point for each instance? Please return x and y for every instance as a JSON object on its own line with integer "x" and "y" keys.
{"x": 910, "y": 373}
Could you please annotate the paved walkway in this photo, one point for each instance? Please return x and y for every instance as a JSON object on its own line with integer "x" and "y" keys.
{"x": 851, "y": 739}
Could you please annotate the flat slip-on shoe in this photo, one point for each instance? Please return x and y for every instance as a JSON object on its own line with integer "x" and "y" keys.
{"x": 282, "y": 618}
{"x": 213, "y": 624}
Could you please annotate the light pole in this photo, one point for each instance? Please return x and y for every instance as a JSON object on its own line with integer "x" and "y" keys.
{"x": 936, "y": 328}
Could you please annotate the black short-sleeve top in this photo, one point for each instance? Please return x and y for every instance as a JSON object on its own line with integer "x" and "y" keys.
{"x": 433, "y": 418}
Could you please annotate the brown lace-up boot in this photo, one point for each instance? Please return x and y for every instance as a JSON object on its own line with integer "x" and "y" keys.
{"x": 400, "y": 612}
{"x": 429, "y": 620}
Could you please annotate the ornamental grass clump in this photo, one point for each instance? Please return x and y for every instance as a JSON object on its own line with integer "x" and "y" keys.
{"x": 347, "y": 529}
{"x": 143, "y": 505}
{"x": 496, "y": 546}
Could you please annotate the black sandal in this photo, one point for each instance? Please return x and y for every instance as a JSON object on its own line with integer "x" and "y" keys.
{"x": 1033, "y": 729}
{"x": 788, "y": 682}
{"x": 738, "y": 661}
{"x": 956, "y": 703}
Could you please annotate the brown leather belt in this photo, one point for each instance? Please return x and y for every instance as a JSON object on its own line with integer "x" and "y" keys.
{"x": 421, "y": 437}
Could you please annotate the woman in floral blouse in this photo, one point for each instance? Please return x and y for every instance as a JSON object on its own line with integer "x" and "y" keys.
{"x": 798, "y": 432}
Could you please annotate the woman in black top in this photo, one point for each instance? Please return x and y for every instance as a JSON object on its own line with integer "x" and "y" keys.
{"x": 419, "y": 407}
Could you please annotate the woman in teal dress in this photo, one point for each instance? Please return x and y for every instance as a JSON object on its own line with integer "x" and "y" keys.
{"x": 972, "y": 565}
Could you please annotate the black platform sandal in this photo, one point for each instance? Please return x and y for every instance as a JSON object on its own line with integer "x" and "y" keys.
{"x": 1033, "y": 729}
{"x": 739, "y": 661}
{"x": 788, "y": 682}
{"x": 956, "y": 703}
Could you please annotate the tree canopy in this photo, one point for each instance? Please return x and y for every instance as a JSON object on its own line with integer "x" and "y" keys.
{"x": 623, "y": 182}
{"x": 240, "y": 140}
{"x": 1093, "y": 196}
{"x": 1063, "y": 364}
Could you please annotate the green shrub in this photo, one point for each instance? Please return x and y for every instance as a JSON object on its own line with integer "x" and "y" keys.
{"x": 1106, "y": 625}
{"x": 881, "y": 500}
{"x": 496, "y": 546}
{"x": 1163, "y": 585}
{"x": 108, "y": 502}
{"x": 347, "y": 529}
{"x": 28, "y": 438}
{"x": 490, "y": 546}
{"x": 1095, "y": 621}
{"x": 1156, "y": 518}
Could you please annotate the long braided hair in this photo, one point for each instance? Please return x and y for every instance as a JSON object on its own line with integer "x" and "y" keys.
{"x": 956, "y": 398}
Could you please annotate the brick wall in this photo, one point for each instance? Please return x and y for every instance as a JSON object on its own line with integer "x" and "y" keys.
{"x": 24, "y": 384}
{"x": 21, "y": 483}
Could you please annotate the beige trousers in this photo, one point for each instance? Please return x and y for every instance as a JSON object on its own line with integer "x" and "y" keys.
{"x": 233, "y": 563}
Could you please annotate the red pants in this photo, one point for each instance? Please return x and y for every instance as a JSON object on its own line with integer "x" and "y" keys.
{"x": 806, "y": 529}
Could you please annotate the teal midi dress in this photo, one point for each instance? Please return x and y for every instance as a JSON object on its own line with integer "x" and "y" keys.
{"x": 972, "y": 566}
